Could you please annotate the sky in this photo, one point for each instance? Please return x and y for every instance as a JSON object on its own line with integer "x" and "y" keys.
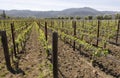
{"x": 48, "y": 5}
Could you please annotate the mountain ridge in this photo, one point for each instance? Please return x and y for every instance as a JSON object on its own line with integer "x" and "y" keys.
{"x": 85, "y": 11}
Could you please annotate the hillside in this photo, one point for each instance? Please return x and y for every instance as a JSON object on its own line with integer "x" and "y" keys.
{"x": 67, "y": 12}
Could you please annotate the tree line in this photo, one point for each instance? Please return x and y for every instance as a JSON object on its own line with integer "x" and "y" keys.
{"x": 99, "y": 17}
{"x": 4, "y": 16}
{"x": 89, "y": 17}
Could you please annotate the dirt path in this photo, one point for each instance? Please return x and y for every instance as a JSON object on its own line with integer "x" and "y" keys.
{"x": 34, "y": 63}
{"x": 73, "y": 65}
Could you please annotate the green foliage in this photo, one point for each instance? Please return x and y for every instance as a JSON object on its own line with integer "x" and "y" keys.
{"x": 89, "y": 29}
{"x": 107, "y": 17}
{"x": 88, "y": 17}
{"x": 96, "y": 51}
{"x": 99, "y": 17}
{"x": 117, "y": 16}
{"x": 71, "y": 17}
{"x": 4, "y": 16}
{"x": 42, "y": 39}
{"x": 22, "y": 36}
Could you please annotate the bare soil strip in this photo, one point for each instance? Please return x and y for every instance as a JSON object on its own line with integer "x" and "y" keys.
{"x": 33, "y": 62}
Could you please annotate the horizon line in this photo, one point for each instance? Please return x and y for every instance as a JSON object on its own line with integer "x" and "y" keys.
{"x": 55, "y": 10}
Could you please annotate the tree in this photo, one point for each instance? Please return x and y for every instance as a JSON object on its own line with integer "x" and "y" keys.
{"x": 59, "y": 17}
{"x": 90, "y": 17}
{"x": 86, "y": 18}
{"x": 108, "y": 17}
{"x": 62, "y": 17}
{"x": 4, "y": 15}
{"x": 66, "y": 17}
{"x": 100, "y": 17}
{"x": 78, "y": 17}
{"x": 71, "y": 18}
{"x": 117, "y": 16}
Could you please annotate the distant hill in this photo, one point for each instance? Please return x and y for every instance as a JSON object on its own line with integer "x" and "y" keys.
{"x": 67, "y": 12}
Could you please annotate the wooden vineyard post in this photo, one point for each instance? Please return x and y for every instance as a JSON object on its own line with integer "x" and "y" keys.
{"x": 4, "y": 25}
{"x": 55, "y": 54}
{"x": 117, "y": 35}
{"x": 26, "y": 24}
{"x": 6, "y": 50}
{"x": 62, "y": 23}
{"x": 74, "y": 34}
{"x": 51, "y": 23}
{"x": 98, "y": 29}
{"x": 39, "y": 24}
{"x": 58, "y": 25}
{"x": 46, "y": 31}
{"x": 105, "y": 43}
{"x": 108, "y": 23}
{"x": 83, "y": 23}
{"x": 92, "y": 22}
{"x": 13, "y": 38}
{"x": 115, "y": 22}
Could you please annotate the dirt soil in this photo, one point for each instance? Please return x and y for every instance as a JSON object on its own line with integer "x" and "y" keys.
{"x": 110, "y": 64}
{"x": 33, "y": 63}
{"x": 73, "y": 65}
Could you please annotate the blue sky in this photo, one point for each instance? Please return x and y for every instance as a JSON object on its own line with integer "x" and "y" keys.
{"x": 45, "y": 5}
